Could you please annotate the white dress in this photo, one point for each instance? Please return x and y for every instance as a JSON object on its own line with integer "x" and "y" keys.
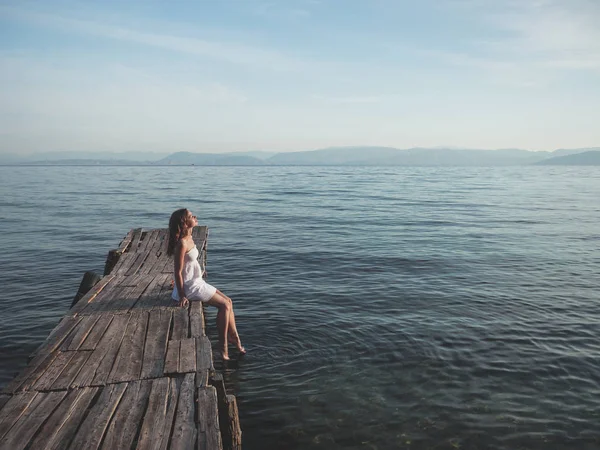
{"x": 194, "y": 286}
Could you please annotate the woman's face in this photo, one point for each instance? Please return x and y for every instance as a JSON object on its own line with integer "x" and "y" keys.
{"x": 190, "y": 219}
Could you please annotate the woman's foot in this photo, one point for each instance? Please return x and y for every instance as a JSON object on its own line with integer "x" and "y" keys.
{"x": 225, "y": 355}
{"x": 238, "y": 343}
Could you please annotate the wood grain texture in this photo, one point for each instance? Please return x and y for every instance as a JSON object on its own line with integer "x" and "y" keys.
{"x": 31, "y": 374}
{"x": 59, "y": 429}
{"x": 102, "y": 358}
{"x": 25, "y": 428}
{"x": 172, "y": 357}
{"x": 156, "y": 344}
{"x": 128, "y": 362}
{"x": 13, "y": 410}
{"x": 79, "y": 333}
{"x": 53, "y": 371}
{"x": 128, "y": 416}
{"x": 58, "y": 335}
{"x": 197, "y": 320}
{"x": 109, "y": 348}
{"x": 92, "y": 294}
{"x": 187, "y": 356}
{"x": 71, "y": 370}
{"x": 184, "y": 432}
{"x": 89, "y": 435}
{"x": 180, "y": 324}
{"x": 204, "y": 360}
{"x": 96, "y": 333}
{"x": 209, "y": 434}
{"x": 155, "y": 426}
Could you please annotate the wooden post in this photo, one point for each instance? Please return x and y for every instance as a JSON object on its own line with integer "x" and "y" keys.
{"x": 90, "y": 279}
{"x": 229, "y": 421}
{"x": 111, "y": 260}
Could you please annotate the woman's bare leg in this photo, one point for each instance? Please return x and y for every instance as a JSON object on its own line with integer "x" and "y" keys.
{"x": 233, "y": 333}
{"x": 223, "y": 304}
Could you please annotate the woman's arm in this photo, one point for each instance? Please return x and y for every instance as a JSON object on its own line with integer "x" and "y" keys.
{"x": 178, "y": 259}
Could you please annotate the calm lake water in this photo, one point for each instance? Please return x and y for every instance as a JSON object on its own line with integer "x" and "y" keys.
{"x": 443, "y": 308}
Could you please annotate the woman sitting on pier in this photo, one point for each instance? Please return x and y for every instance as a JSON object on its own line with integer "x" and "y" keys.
{"x": 189, "y": 284}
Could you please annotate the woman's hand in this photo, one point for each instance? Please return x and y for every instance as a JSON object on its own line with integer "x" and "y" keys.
{"x": 183, "y": 302}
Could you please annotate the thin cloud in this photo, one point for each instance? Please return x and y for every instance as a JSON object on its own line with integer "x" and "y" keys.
{"x": 542, "y": 33}
{"x": 349, "y": 99}
{"x": 232, "y": 53}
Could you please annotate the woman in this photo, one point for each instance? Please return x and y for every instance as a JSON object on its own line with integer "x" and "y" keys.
{"x": 189, "y": 284}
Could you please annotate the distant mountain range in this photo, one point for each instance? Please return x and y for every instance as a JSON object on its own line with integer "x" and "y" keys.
{"x": 335, "y": 156}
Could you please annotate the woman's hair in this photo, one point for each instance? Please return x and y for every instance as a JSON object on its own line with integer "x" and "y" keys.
{"x": 177, "y": 228}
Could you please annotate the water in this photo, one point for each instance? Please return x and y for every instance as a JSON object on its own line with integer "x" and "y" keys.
{"x": 381, "y": 307}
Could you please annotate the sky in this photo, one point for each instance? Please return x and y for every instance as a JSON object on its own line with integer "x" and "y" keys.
{"x": 289, "y": 75}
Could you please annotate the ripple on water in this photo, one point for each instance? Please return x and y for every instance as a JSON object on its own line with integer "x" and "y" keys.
{"x": 381, "y": 307}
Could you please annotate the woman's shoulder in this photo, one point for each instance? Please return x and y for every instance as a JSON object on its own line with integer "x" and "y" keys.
{"x": 186, "y": 243}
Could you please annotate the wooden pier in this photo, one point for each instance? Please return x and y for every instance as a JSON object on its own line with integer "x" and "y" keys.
{"x": 125, "y": 368}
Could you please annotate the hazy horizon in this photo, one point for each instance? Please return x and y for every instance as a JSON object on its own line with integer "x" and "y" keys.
{"x": 209, "y": 77}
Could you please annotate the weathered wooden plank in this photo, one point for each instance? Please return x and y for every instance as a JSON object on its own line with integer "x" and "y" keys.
{"x": 128, "y": 362}
{"x": 164, "y": 298}
{"x": 114, "y": 289}
{"x": 138, "y": 233}
{"x": 31, "y": 374}
{"x": 126, "y": 421}
{"x": 174, "y": 386}
{"x": 209, "y": 434}
{"x": 144, "y": 285}
{"x": 40, "y": 409}
{"x": 53, "y": 371}
{"x": 172, "y": 357}
{"x": 184, "y": 432}
{"x": 231, "y": 433}
{"x": 92, "y": 294}
{"x": 126, "y": 261}
{"x": 197, "y": 327}
{"x": 157, "y": 257}
{"x": 102, "y": 358}
{"x": 130, "y": 280}
{"x": 187, "y": 356}
{"x": 3, "y": 400}
{"x": 147, "y": 298}
{"x": 57, "y": 335}
{"x": 199, "y": 234}
{"x": 153, "y": 250}
{"x": 92, "y": 339}
{"x": 180, "y": 324}
{"x": 130, "y": 297}
{"x": 13, "y": 410}
{"x": 154, "y": 427}
{"x": 135, "y": 266}
{"x": 166, "y": 266}
{"x": 202, "y": 378}
{"x": 58, "y": 431}
{"x": 144, "y": 247}
{"x": 148, "y": 238}
{"x": 159, "y": 323}
{"x": 233, "y": 429}
{"x": 115, "y": 304}
{"x": 128, "y": 238}
{"x": 80, "y": 333}
{"x": 164, "y": 236}
{"x": 204, "y": 358}
{"x": 64, "y": 380}
{"x": 89, "y": 435}
{"x": 110, "y": 347}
